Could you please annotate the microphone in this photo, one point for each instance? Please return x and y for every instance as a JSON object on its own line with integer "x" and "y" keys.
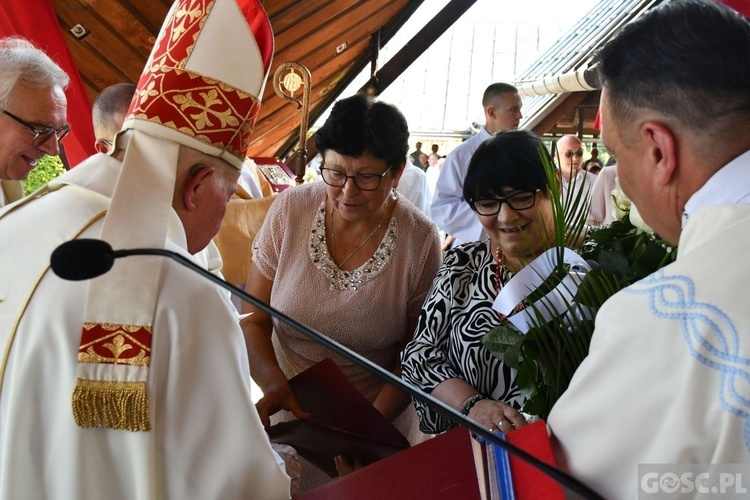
{"x": 83, "y": 259}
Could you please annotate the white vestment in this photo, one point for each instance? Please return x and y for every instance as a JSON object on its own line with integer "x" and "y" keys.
{"x": 449, "y": 210}
{"x": 206, "y": 439}
{"x": 10, "y": 191}
{"x": 666, "y": 378}
{"x": 413, "y": 187}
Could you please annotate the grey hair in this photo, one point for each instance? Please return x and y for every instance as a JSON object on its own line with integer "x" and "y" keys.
{"x": 21, "y": 62}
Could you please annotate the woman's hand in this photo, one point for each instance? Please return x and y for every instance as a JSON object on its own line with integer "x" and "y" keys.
{"x": 495, "y": 415}
{"x": 278, "y": 395}
{"x": 264, "y": 368}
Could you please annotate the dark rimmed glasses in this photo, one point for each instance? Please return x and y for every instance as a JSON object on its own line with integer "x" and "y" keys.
{"x": 365, "y": 182}
{"x": 569, "y": 154}
{"x": 517, "y": 201}
{"x": 41, "y": 134}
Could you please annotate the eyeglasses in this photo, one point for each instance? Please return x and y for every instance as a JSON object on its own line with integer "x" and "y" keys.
{"x": 41, "y": 134}
{"x": 365, "y": 182}
{"x": 516, "y": 201}
{"x": 569, "y": 154}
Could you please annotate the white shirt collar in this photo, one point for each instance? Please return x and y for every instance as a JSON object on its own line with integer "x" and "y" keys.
{"x": 730, "y": 184}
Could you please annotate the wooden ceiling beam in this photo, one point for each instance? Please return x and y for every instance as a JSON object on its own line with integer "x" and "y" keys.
{"x": 330, "y": 37}
{"x": 318, "y": 53}
{"x": 384, "y": 16}
{"x": 105, "y": 40}
{"x": 417, "y": 45}
{"x": 287, "y": 18}
{"x": 307, "y": 29}
{"x": 149, "y": 12}
{"x": 568, "y": 104}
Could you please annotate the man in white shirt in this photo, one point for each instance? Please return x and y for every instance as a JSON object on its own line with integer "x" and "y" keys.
{"x": 665, "y": 380}
{"x": 576, "y": 182}
{"x": 413, "y": 187}
{"x": 449, "y": 210}
{"x": 601, "y": 211}
{"x": 433, "y": 172}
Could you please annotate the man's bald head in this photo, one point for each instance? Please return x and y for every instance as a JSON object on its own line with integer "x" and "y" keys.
{"x": 108, "y": 113}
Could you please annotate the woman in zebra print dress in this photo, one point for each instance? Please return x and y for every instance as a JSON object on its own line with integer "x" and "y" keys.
{"x": 506, "y": 185}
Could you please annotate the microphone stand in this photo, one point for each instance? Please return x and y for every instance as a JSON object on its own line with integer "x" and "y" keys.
{"x": 447, "y": 411}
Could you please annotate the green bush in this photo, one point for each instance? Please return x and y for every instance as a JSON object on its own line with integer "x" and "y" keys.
{"x": 46, "y": 169}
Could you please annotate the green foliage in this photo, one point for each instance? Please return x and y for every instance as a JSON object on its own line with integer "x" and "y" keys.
{"x": 46, "y": 169}
{"x": 625, "y": 254}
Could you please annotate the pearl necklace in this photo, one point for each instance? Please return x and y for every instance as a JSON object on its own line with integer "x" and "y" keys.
{"x": 333, "y": 239}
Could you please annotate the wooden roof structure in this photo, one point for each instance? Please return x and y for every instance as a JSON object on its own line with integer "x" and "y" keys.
{"x": 110, "y": 41}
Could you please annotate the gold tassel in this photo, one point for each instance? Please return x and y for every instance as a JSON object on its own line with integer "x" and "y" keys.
{"x": 112, "y": 405}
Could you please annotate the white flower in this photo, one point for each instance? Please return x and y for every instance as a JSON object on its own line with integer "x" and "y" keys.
{"x": 637, "y": 220}
{"x": 623, "y": 206}
{"x": 621, "y": 202}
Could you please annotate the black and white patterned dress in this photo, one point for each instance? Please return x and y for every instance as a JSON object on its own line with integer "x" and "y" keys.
{"x": 447, "y": 344}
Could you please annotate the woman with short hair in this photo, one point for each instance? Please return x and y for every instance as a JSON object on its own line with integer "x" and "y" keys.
{"x": 348, "y": 257}
{"x": 506, "y": 185}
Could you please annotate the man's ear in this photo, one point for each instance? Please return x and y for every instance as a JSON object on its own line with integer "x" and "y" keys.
{"x": 194, "y": 185}
{"x": 101, "y": 146}
{"x": 662, "y": 150}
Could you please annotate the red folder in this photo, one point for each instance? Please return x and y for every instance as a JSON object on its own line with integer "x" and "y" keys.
{"x": 342, "y": 421}
{"x": 528, "y": 482}
{"x": 443, "y": 468}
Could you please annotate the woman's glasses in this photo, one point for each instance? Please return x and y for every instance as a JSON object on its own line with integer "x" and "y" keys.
{"x": 365, "y": 182}
{"x": 569, "y": 154}
{"x": 516, "y": 201}
{"x": 41, "y": 134}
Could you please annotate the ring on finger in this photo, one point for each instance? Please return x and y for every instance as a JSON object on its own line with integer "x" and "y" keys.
{"x": 503, "y": 422}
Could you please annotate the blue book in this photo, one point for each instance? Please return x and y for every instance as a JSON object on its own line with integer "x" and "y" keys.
{"x": 499, "y": 479}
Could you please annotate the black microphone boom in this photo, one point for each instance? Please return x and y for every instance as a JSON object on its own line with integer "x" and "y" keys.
{"x": 84, "y": 259}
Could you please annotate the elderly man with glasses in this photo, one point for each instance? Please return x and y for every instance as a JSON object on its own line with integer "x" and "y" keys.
{"x": 576, "y": 182}
{"x": 33, "y": 109}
